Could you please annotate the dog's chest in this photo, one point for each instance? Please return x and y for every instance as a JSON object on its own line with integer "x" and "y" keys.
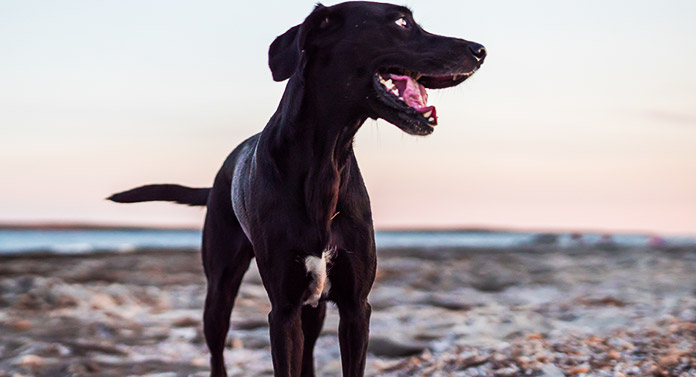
{"x": 317, "y": 269}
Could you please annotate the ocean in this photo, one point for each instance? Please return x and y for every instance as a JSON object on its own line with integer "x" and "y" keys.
{"x": 69, "y": 241}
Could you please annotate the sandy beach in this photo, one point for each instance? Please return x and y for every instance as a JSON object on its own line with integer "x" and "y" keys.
{"x": 584, "y": 311}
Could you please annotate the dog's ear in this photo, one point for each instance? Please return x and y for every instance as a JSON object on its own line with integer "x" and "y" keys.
{"x": 285, "y": 53}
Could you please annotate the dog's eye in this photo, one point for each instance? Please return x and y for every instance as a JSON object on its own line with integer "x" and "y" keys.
{"x": 401, "y": 22}
{"x": 325, "y": 22}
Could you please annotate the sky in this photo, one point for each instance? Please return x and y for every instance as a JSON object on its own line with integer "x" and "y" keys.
{"x": 583, "y": 116}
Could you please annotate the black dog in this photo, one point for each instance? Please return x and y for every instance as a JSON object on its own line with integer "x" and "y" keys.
{"x": 292, "y": 196}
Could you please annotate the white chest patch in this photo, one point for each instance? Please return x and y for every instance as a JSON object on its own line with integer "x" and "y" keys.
{"x": 320, "y": 284}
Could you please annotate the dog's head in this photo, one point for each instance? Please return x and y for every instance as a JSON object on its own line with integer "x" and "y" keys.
{"x": 377, "y": 59}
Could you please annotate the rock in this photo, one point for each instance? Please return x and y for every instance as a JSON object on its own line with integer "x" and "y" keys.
{"x": 491, "y": 284}
{"x": 603, "y": 301}
{"x": 23, "y": 324}
{"x": 237, "y": 343}
{"x": 385, "y": 347}
{"x": 448, "y": 303}
{"x": 30, "y": 361}
{"x": 550, "y": 370}
{"x": 200, "y": 361}
{"x": 56, "y": 350}
{"x": 620, "y": 343}
{"x": 183, "y": 333}
{"x": 84, "y": 368}
{"x": 669, "y": 361}
{"x": 580, "y": 369}
{"x": 511, "y": 371}
{"x": 186, "y": 322}
{"x": 86, "y": 348}
{"x": 102, "y": 301}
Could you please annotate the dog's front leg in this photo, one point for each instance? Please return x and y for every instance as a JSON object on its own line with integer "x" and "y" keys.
{"x": 351, "y": 278}
{"x": 353, "y": 331}
{"x": 286, "y": 282}
{"x": 287, "y": 340}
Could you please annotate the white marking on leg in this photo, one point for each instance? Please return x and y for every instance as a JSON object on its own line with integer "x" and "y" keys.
{"x": 320, "y": 284}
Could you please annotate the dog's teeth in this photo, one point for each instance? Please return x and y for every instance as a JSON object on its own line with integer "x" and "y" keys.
{"x": 431, "y": 120}
{"x": 427, "y": 114}
{"x": 418, "y": 75}
{"x": 455, "y": 77}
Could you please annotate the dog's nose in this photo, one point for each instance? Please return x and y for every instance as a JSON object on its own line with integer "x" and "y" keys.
{"x": 478, "y": 51}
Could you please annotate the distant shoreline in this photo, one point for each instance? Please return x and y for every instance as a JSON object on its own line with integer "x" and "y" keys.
{"x": 85, "y": 226}
{"x": 87, "y": 238}
{"x": 463, "y": 229}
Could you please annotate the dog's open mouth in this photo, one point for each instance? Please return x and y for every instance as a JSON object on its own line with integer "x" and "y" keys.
{"x": 408, "y": 90}
{"x": 405, "y": 92}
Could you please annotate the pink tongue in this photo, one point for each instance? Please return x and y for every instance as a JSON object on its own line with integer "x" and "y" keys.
{"x": 413, "y": 93}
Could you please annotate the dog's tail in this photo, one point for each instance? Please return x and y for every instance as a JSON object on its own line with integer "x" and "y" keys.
{"x": 163, "y": 192}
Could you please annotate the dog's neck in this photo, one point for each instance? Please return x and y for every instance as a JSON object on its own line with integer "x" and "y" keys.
{"x": 309, "y": 141}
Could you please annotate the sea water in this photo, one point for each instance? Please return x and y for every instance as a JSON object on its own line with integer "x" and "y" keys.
{"x": 14, "y": 241}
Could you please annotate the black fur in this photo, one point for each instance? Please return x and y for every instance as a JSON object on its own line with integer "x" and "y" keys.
{"x": 295, "y": 190}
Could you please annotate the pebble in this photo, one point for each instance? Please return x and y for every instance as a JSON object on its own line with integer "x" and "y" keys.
{"x": 614, "y": 354}
{"x": 550, "y": 370}
{"x": 30, "y": 361}
{"x": 187, "y": 322}
{"x": 579, "y": 369}
{"x": 669, "y": 361}
{"x": 102, "y": 301}
{"x": 22, "y": 324}
{"x": 386, "y": 347}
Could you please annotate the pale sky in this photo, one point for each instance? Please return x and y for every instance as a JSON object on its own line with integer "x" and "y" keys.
{"x": 583, "y": 116}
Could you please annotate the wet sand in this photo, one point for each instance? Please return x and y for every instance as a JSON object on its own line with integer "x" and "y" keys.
{"x": 526, "y": 312}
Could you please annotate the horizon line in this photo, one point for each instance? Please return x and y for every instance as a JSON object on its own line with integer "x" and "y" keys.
{"x": 77, "y": 225}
